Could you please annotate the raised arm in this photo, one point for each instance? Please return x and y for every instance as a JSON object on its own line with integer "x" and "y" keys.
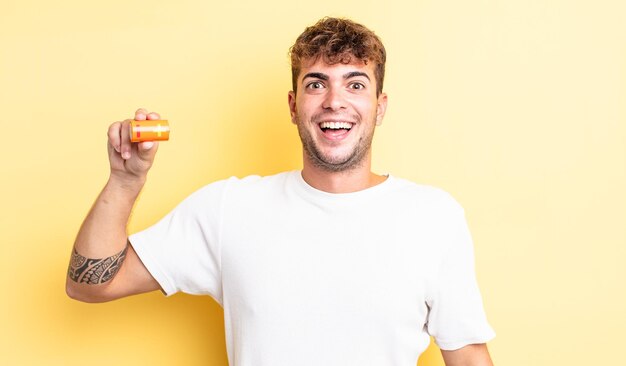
{"x": 103, "y": 265}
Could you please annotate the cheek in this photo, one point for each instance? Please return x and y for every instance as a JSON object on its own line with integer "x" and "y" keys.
{"x": 304, "y": 109}
{"x": 300, "y": 116}
{"x": 365, "y": 107}
{"x": 363, "y": 102}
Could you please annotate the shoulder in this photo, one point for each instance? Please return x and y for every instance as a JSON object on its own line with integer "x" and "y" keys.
{"x": 212, "y": 195}
{"x": 256, "y": 183}
{"x": 242, "y": 185}
{"x": 432, "y": 198}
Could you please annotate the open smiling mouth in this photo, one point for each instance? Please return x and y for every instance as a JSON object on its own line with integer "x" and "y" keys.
{"x": 336, "y": 130}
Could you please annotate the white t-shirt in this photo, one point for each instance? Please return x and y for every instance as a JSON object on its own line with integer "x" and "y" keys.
{"x": 307, "y": 277}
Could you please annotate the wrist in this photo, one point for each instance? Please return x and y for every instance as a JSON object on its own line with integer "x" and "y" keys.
{"x": 129, "y": 185}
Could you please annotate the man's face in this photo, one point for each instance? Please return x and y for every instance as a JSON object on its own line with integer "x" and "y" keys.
{"x": 336, "y": 110}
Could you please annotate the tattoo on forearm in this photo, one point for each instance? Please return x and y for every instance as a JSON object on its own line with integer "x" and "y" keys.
{"x": 95, "y": 271}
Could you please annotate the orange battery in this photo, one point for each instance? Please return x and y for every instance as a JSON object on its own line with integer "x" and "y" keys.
{"x": 149, "y": 130}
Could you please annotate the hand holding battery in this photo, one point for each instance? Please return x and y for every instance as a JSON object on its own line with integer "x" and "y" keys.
{"x": 131, "y": 160}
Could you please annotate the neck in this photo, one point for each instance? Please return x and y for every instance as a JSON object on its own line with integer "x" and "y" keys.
{"x": 353, "y": 180}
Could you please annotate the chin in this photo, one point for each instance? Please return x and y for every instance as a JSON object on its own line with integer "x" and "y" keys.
{"x": 337, "y": 163}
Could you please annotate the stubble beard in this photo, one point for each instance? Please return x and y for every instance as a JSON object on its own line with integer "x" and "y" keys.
{"x": 333, "y": 164}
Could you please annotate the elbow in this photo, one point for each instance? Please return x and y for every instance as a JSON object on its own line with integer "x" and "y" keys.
{"x": 73, "y": 291}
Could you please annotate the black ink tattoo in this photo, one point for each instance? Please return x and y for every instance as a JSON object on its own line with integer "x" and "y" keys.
{"x": 95, "y": 271}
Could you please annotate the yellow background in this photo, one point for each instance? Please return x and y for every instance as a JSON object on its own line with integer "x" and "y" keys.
{"x": 517, "y": 108}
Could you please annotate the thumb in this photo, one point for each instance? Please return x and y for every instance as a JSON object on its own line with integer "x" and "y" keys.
{"x": 147, "y": 150}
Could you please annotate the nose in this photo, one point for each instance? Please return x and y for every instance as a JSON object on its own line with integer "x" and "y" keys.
{"x": 334, "y": 100}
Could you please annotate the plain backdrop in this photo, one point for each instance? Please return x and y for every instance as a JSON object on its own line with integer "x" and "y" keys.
{"x": 516, "y": 108}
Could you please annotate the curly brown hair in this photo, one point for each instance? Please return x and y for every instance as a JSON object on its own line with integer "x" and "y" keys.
{"x": 338, "y": 40}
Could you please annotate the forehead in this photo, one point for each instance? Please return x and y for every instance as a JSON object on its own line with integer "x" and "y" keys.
{"x": 319, "y": 65}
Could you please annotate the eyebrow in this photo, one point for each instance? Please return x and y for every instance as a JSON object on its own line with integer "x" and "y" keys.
{"x": 316, "y": 75}
{"x": 322, "y": 76}
{"x": 353, "y": 74}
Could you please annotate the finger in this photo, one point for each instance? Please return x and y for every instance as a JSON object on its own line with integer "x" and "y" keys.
{"x": 153, "y": 115}
{"x": 140, "y": 114}
{"x": 125, "y": 140}
{"x": 114, "y": 135}
{"x": 147, "y": 150}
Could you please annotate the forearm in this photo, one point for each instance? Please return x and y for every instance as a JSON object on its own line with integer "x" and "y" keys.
{"x": 103, "y": 266}
{"x": 101, "y": 244}
{"x": 103, "y": 232}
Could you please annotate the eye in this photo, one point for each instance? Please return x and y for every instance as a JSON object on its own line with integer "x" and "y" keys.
{"x": 357, "y": 86}
{"x": 315, "y": 85}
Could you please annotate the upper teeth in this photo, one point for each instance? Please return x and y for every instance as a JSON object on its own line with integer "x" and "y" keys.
{"x": 336, "y": 125}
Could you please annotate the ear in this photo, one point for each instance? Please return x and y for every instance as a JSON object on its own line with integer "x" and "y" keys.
{"x": 291, "y": 97}
{"x": 381, "y": 107}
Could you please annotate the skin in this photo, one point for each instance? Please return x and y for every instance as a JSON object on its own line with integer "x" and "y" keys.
{"x": 470, "y": 355}
{"x": 340, "y": 92}
{"x": 103, "y": 232}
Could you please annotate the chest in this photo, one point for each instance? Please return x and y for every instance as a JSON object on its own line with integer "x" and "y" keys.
{"x": 333, "y": 266}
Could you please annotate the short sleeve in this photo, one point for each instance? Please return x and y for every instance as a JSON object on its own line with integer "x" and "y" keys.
{"x": 456, "y": 316}
{"x": 182, "y": 250}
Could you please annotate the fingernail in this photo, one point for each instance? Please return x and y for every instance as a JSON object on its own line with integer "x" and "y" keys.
{"x": 140, "y": 117}
{"x": 147, "y": 145}
{"x": 153, "y": 116}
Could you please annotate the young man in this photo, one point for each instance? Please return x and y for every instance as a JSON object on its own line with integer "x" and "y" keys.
{"x": 333, "y": 265}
